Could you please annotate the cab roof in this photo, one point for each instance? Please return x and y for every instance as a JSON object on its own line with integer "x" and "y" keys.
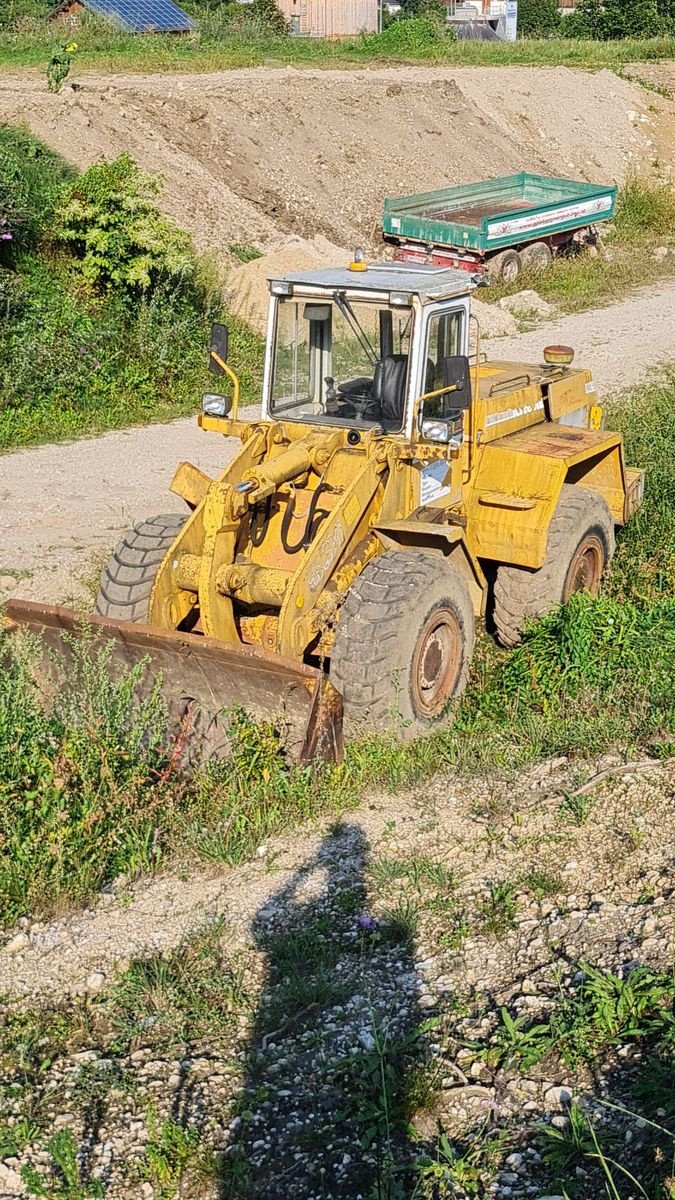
{"x": 428, "y": 283}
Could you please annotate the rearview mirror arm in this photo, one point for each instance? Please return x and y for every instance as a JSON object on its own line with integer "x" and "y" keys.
{"x": 233, "y": 380}
{"x": 443, "y": 391}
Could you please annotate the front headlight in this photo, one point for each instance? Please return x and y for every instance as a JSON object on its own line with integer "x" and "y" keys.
{"x": 216, "y": 406}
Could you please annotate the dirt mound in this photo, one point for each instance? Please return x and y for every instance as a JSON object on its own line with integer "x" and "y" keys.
{"x": 250, "y": 156}
{"x": 247, "y": 289}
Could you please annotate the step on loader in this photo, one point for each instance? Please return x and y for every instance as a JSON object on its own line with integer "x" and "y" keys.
{"x": 397, "y": 488}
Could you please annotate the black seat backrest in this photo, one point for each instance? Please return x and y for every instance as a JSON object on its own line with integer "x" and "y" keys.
{"x": 389, "y": 380}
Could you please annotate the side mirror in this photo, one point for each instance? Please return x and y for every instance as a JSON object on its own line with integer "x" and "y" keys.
{"x": 220, "y": 336}
{"x": 440, "y": 417}
{"x": 456, "y": 376}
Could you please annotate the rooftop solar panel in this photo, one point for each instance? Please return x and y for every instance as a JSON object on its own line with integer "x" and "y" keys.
{"x": 144, "y": 16}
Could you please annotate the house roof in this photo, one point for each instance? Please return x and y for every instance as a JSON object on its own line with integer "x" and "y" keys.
{"x": 142, "y": 16}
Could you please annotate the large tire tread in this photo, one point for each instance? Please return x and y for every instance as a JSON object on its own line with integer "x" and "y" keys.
{"x": 128, "y": 578}
{"x": 381, "y": 602}
{"x": 521, "y": 594}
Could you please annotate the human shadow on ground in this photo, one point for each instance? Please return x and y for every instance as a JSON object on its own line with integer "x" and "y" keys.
{"x": 339, "y": 1052}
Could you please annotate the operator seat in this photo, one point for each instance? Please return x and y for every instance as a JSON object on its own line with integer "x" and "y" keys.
{"x": 389, "y": 381}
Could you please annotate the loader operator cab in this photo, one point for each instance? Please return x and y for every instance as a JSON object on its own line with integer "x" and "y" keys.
{"x": 359, "y": 346}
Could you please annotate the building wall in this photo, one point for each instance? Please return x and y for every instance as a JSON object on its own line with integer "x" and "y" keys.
{"x": 330, "y": 18}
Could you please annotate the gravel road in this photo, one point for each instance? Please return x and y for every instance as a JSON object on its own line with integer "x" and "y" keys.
{"x": 65, "y": 506}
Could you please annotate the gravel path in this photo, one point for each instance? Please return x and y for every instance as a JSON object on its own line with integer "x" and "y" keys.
{"x": 327, "y": 990}
{"x": 619, "y": 343}
{"x": 65, "y": 506}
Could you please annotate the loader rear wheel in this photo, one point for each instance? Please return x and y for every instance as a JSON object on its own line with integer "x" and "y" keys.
{"x": 580, "y": 546}
{"x": 126, "y": 581}
{"x": 404, "y": 643}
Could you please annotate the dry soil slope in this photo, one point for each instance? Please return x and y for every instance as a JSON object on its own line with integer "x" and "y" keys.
{"x": 255, "y": 155}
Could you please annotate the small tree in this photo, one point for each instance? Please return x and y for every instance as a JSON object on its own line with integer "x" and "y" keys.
{"x": 268, "y": 16}
{"x": 110, "y": 221}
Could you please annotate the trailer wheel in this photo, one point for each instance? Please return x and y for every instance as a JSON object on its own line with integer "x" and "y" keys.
{"x": 506, "y": 266}
{"x": 536, "y": 257}
{"x": 580, "y": 546}
{"x": 126, "y": 581}
{"x": 404, "y": 643}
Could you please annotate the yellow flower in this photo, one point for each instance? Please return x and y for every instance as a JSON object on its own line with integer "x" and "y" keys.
{"x": 71, "y": 47}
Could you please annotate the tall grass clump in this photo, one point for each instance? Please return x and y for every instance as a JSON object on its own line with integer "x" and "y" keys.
{"x": 645, "y": 210}
{"x": 85, "y": 780}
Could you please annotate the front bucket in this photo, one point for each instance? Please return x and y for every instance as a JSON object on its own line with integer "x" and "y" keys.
{"x": 203, "y": 676}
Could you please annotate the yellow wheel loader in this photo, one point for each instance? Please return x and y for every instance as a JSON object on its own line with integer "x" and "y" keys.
{"x": 397, "y": 489}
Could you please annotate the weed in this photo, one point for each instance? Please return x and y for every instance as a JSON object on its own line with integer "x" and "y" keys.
{"x": 542, "y": 883}
{"x": 65, "y": 1181}
{"x": 458, "y": 929}
{"x": 576, "y": 808}
{"x": 518, "y": 1039}
{"x": 498, "y": 910}
{"x": 564, "y": 1149}
{"x": 244, "y": 253}
{"x": 15, "y": 1138}
{"x": 173, "y": 1152}
{"x": 193, "y": 991}
{"x": 420, "y": 870}
{"x": 401, "y": 922}
{"x": 604, "y": 1011}
{"x": 458, "y": 1168}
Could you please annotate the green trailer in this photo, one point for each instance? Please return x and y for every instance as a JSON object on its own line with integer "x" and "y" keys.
{"x": 499, "y": 226}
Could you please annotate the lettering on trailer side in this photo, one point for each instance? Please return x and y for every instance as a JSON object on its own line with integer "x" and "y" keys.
{"x": 536, "y": 221}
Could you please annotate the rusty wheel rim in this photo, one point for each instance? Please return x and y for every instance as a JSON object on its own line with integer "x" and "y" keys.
{"x": 585, "y": 570}
{"x": 510, "y": 270}
{"x": 437, "y": 663}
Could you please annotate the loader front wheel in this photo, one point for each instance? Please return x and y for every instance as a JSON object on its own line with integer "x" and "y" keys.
{"x": 127, "y": 579}
{"x": 580, "y": 546}
{"x": 404, "y": 643}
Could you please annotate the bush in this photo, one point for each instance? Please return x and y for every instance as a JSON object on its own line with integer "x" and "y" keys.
{"x": 31, "y": 179}
{"x": 103, "y": 307}
{"x": 420, "y": 36}
{"x": 110, "y": 222}
{"x": 605, "y": 20}
{"x": 538, "y": 18}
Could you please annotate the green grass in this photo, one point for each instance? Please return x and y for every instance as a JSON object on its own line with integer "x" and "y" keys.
{"x": 221, "y": 48}
{"x": 192, "y": 992}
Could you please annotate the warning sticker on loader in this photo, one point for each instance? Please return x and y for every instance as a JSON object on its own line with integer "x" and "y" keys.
{"x": 432, "y": 481}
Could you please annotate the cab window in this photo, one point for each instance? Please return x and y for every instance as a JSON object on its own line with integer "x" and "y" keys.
{"x": 444, "y": 339}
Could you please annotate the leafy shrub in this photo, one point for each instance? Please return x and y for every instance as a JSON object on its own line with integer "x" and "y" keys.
{"x": 268, "y": 16}
{"x": 538, "y": 18}
{"x": 606, "y": 20}
{"x": 111, "y": 224}
{"x": 31, "y": 178}
{"x": 420, "y": 36}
